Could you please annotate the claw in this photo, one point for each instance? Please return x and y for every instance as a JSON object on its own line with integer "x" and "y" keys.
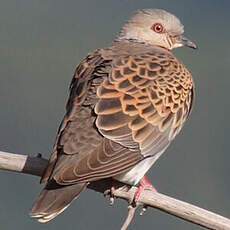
{"x": 110, "y": 194}
{"x": 111, "y": 200}
{"x": 143, "y": 210}
{"x": 107, "y": 192}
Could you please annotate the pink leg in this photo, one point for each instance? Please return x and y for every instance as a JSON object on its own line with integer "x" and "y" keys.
{"x": 144, "y": 184}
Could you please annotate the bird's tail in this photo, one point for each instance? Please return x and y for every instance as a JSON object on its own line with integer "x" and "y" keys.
{"x": 52, "y": 201}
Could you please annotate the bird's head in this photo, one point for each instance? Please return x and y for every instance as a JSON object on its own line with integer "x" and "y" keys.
{"x": 156, "y": 27}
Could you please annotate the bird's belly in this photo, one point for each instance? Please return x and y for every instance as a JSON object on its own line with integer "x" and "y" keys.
{"x": 134, "y": 175}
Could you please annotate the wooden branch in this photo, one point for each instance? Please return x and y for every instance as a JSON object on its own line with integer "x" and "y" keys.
{"x": 36, "y": 166}
{"x": 130, "y": 216}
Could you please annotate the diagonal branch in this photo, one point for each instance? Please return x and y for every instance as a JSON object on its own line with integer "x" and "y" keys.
{"x": 183, "y": 210}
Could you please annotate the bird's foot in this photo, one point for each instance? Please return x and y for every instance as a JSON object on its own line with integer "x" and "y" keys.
{"x": 110, "y": 194}
{"x": 144, "y": 184}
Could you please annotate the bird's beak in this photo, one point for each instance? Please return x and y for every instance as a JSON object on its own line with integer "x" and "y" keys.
{"x": 183, "y": 41}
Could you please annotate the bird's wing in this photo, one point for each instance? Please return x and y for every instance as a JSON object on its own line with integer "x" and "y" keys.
{"x": 144, "y": 102}
{"x": 81, "y": 154}
{"x": 75, "y": 120}
{"x": 140, "y": 107}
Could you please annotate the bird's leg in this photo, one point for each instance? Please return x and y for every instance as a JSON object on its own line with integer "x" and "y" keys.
{"x": 144, "y": 184}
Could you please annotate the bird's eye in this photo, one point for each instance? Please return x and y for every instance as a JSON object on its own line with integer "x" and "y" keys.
{"x": 158, "y": 28}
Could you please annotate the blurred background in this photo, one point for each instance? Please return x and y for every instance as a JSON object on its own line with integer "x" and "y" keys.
{"x": 41, "y": 42}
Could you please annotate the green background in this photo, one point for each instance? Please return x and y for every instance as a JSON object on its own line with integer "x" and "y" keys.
{"x": 40, "y": 44}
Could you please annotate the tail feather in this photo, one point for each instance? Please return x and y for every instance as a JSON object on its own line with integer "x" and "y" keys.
{"x": 53, "y": 200}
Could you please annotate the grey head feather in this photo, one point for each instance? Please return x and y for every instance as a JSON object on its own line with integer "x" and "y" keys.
{"x": 139, "y": 27}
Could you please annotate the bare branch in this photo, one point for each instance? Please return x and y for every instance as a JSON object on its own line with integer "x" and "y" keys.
{"x": 131, "y": 213}
{"x": 36, "y": 165}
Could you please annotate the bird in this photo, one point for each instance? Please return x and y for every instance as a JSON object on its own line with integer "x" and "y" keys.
{"x": 127, "y": 102}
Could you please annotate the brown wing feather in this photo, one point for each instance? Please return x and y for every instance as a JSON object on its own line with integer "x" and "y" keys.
{"x": 144, "y": 102}
{"x": 67, "y": 134}
{"x": 142, "y": 105}
{"x": 107, "y": 160}
{"x": 81, "y": 154}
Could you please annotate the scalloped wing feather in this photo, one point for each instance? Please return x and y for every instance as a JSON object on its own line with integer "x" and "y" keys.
{"x": 144, "y": 102}
{"x": 140, "y": 106}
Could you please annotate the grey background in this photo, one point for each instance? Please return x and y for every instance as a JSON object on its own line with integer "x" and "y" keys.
{"x": 40, "y": 44}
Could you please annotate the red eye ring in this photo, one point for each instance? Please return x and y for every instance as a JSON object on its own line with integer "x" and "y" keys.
{"x": 158, "y": 28}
